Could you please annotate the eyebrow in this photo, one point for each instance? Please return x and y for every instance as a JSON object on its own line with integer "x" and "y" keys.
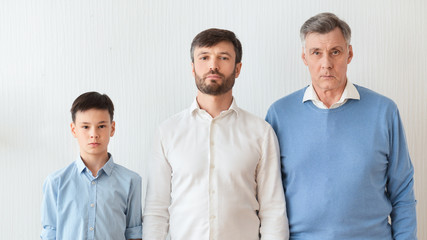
{"x": 336, "y": 47}
{"x": 225, "y": 53}
{"x": 221, "y": 53}
{"x": 90, "y": 123}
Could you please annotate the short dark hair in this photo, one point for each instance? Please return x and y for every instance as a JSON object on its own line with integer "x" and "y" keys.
{"x": 213, "y": 36}
{"x": 92, "y": 100}
{"x": 324, "y": 23}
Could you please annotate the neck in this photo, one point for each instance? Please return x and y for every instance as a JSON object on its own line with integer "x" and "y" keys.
{"x": 214, "y": 105}
{"x": 329, "y": 96}
{"x": 94, "y": 163}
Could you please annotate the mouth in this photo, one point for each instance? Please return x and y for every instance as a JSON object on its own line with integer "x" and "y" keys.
{"x": 213, "y": 76}
{"x": 327, "y": 76}
{"x": 94, "y": 144}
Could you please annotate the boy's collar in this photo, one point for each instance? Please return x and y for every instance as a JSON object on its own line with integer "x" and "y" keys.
{"x": 108, "y": 166}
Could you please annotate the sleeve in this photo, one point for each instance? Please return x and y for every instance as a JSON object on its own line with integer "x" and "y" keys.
{"x": 271, "y": 118}
{"x": 158, "y": 199}
{"x": 400, "y": 184}
{"x": 49, "y": 209}
{"x": 134, "y": 211}
{"x": 271, "y": 198}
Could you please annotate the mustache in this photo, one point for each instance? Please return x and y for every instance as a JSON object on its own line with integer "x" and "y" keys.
{"x": 213, "y": 72}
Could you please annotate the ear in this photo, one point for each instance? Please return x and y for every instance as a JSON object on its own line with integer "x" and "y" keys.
{"x": 303, "y": 56}
{"x": 113, "y": 128}
{"x": 237, "y": 69}
{"x": 192, "y": 69}
{"x": 73, "y": 129}
{"x": 350, "y": 54}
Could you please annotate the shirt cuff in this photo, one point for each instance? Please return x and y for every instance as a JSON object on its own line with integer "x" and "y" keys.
{"x": 48, "y": 233}
{"x": 134, "y": 232}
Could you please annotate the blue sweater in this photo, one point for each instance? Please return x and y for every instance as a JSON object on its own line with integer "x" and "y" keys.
{"x": 345, "y": 170}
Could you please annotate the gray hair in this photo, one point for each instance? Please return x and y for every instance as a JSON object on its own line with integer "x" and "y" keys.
{"x": 324, "y": 23}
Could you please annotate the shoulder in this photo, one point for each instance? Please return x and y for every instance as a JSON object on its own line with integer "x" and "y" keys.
{"x": 63, "y": 173}
{"x": 175, "y": 120}
{"x": 286, "y": 106}
{"x": 254, "y": 125}
{"x": 290, "y": 99}
{"x": 124, "y": 172}
{"x": 371, "y": 98}
{"x": 252, "y": 120}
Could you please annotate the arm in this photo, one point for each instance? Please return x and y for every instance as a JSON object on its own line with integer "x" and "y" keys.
{"x": 156, "y": 214}
{"x": 134, "y": 211}
{"x": 48, "y": 210}
{"x": 400, "y": 184}
{"x": 272, "y": 212}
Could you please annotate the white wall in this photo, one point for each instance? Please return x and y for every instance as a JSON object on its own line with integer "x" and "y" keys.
{"x": 137, "y": 51}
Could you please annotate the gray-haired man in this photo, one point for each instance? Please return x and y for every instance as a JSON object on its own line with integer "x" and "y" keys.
{"x": 345, "y": 162}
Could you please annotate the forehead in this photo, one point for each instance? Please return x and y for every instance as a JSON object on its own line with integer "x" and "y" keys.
{"x": 221, "y": 47}
{"x": 332, "y": 38}
{"x": 92, "y": 115}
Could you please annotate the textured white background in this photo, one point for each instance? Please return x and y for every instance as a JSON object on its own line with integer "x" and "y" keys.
{"x": 137, "y": 51}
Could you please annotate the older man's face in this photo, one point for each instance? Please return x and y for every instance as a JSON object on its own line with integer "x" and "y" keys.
{"x": 327, "y": 56}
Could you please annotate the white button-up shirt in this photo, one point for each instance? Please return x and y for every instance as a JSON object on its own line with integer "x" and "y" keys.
{"x": 350, "y": 92}
{"x": 215, "y": 178}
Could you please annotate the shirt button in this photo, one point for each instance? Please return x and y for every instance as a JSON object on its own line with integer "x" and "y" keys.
{"x": 93, "y": 182}
{"x": 212, "y": 217}
{"x": 212, "y": 166}
{"x": 92, "y": 205}
{"x": 91, "y": 228}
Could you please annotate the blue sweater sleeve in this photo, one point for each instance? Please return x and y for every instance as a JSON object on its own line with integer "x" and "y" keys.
{"x": 400, "y": 184}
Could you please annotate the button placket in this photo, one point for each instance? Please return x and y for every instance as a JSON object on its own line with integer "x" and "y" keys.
{"x": 92, "y": 209}
{"x": 213, "y": 199}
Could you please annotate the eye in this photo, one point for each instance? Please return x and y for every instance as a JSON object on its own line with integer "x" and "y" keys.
{"x": 224, "y": 58}
{"x": 316, "y": 53}
{"x": 85, "y": 127}
{"x": 102, "y": 126}
{"x": 336, "y": 52}
{"x": 203, "y": 58}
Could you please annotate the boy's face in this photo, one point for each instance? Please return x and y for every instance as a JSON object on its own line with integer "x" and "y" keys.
{"x": 93, "y": 129}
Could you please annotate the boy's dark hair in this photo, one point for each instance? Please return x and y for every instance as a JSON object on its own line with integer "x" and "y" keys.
{"x": 213, "y": 36}
{"x": 92, "y": 100}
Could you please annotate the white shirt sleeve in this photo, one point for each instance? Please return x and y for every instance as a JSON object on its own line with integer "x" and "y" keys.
{"x": 271, "y": 198}
{"x": 156, "y": 214}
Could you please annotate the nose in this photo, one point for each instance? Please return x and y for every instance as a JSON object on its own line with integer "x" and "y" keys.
{"x": 327, "y": 62}
{"x": 94, "y": 134}
{"x": 214, "y": 65}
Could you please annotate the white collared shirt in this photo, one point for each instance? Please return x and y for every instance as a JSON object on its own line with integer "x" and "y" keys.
{"x": 215, "y": 178}
{"x": 350, "y": 92}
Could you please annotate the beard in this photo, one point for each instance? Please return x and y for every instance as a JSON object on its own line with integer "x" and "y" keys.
{"x": 212, "y": 87}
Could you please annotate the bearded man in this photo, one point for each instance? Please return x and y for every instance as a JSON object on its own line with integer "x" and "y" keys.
{"x": 215, "y": 172}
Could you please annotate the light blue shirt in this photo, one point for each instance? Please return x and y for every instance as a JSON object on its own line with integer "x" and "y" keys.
{"x": 77, "y": 205}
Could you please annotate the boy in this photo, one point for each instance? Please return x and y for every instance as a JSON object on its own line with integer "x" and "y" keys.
{"x": 92, "y": 198}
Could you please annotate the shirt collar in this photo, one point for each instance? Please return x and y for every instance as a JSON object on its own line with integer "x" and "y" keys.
{"x": 107, "y": 168}
{"x": 233, "y": 107}
{"x": 109, "y": 165}
{"x": 350, "y": 92}
{"x": 80, "y": 164}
